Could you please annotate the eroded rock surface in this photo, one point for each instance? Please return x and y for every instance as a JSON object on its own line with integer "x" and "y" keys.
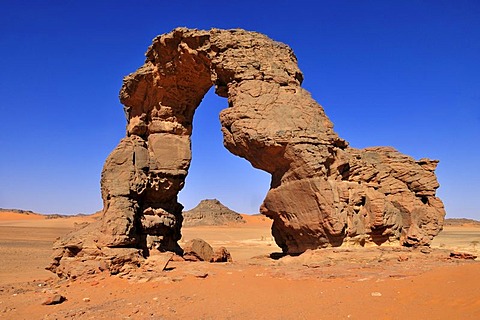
{"x": 323, "y": 192}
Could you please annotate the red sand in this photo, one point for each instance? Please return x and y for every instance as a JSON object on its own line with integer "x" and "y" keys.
{"x": 246, "y": 289}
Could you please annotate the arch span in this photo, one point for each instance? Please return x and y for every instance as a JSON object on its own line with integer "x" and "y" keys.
{"x": 323, "y": 192}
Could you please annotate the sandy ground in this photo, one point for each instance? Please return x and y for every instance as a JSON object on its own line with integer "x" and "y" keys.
{"x": 341, "y": 283}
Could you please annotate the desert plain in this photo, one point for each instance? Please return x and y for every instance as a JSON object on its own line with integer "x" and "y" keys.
{"x": 260, "y": 283}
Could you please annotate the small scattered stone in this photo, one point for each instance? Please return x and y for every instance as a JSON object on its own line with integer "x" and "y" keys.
{"x": 199, "y": 274}
{"x": 86, "y": 299}
{"x": 144, "y": 280}
{"x": 176, "y": 279}
{"x": 221, "y": 255}
{"x": 376, "y": 294}
{"x": 462, "y": 255}
{"x": 158, "y": 261}
{"x": 426, "y": 250}
{"x": 402, "y": 258}
{"x": 56, "y": 299}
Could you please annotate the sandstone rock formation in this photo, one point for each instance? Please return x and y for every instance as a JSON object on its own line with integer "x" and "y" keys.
{"x": 200, "y": 250}
{"x": 197, "y": 250}
{"x": 221, "y": 254}
{"x": 210, "y": 212}
{"x": 323, "y": 192}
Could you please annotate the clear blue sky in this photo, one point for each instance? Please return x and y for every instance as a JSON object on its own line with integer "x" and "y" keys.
{"x": 398, "y": 73}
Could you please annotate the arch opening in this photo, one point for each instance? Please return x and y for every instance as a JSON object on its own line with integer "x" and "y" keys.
{"x": 214, "y": 172}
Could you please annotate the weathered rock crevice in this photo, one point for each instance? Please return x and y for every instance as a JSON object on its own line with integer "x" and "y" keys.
{"x": 323, "y": 192}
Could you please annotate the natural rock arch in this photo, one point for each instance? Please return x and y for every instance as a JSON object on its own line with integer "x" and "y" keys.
{"x": 323, "y": 192}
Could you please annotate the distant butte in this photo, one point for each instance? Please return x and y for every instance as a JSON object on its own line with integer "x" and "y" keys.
{"x": 211, "y": 212}
{"x": 323, "y": 192}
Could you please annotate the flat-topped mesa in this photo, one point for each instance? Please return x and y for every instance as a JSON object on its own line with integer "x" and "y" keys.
{"x": 323, "y": 193}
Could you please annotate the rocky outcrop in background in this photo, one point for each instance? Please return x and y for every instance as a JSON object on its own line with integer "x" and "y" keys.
{"x": 210, "y": 212}
{"x": 323, "y": 192}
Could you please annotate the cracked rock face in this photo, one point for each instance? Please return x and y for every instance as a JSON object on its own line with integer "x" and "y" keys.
{"x": 323, "y": 192}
